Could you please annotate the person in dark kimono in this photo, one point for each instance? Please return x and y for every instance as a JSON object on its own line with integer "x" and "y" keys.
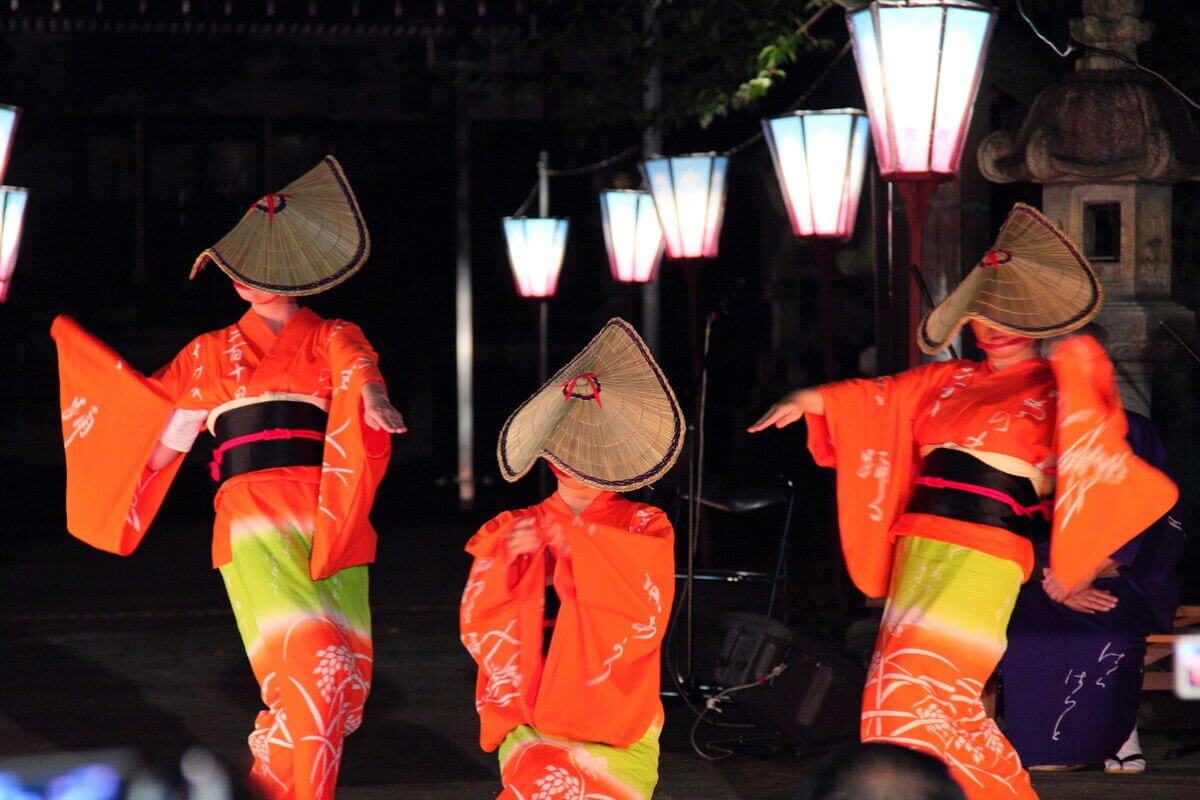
{"x": 1071, "y": 679}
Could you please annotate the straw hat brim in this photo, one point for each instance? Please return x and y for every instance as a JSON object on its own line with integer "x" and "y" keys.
{"x": 621, "y": 437}
{"x": 1043, "y": 287}
{"x": 317, "y": 240}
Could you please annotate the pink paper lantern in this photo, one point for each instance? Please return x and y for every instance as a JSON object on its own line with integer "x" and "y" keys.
{"x": 820, "y": 158}
{"x": 920, "y": 63}
{"x": 689, "y": 195}
{"x": 12, "y": 220}
{"x": 535, "y": 251}
{"x": 632, "y": 234}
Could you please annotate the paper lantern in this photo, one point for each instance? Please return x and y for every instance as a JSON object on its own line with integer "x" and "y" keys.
{"x": 820, "y": 158}
{"x": 632, "y": 234}
{"x": 9, "y": 116}
{"x": 920, "y": 62}
{"x": 689, "y": 195}
{"x": 12, "y": 219}
{"x": 535, "y": 252}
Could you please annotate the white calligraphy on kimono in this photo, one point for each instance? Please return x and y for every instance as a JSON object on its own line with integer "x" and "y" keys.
{"x": 638, "y": 630}
{"x": 876, "y": 465}
{"x": 1085, "y": 464}
{"x": 82, "y": 416}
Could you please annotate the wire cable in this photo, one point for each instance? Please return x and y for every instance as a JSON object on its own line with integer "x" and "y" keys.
{"x": 603, "y": 163}
{"x": 756, "y": 138}
{"x": 1062, "y": 52}
{"x": 520, "y": 212}
{"x": 1073, "y": 47}
{"x": 714, "y": 704}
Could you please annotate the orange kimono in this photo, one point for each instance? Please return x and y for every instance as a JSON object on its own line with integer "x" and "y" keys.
{"x": 588, "y": 713}
{"x": 950, "y": 583}
{"x": 292, "y": 542}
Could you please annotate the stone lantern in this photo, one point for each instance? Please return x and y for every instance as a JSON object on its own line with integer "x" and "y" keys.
{"x": 1107, "y": 143}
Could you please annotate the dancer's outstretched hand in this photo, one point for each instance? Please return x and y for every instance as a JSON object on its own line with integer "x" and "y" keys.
{"x": 378, "y": 411}
{"x": 789, "y": 408}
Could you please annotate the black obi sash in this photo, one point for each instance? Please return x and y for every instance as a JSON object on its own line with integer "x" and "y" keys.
{"x": 957, "y": 485}
{"x": 273, "y": 433}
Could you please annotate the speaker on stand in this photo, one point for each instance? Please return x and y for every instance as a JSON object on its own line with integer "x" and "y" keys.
{"x": 813, "y": 703}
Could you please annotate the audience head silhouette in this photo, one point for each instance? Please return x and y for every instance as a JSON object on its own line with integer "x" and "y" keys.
{"x": 880, "y": 772}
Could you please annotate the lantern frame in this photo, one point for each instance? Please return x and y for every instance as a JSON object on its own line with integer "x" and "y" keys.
{"x": 10, "y": 234}
{"x": 667, "y": 177}
{"x": 902, "y": 159}
{"x": 644, "y": 244}
{"x": 797, "y": 181}
{"x": 531, "y": 280}
{"x": 11, "y": 114}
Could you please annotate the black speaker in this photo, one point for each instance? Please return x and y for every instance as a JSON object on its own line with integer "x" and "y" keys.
{"x": 717, "y": 594}
{"x": 817, "y": 699}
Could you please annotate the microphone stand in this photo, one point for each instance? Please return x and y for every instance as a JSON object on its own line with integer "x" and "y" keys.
{"x": 695, "y": 490}
{"x": 919, "y": 277}
{"x": 1179, "y": 341}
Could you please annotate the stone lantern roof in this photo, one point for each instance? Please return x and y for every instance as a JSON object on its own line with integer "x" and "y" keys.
{"x": 1107, "y": 122}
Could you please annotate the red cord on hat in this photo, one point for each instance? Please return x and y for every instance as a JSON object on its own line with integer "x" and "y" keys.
{"x": 568, "y": 387}
{"x": 994, "y": 258}
{"x": 269, "y": 199}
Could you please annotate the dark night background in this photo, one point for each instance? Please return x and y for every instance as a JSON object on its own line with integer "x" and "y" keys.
{"x": 147, "y": 133}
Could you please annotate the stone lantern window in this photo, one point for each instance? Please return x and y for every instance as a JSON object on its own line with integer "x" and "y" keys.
{"x": 1102, "y": 232}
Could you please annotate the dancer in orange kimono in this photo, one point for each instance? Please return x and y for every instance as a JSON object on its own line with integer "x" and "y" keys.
{"x": 568, "y": 600}
{"x": 301, "y": 420}
{"x": 948, "y": 473}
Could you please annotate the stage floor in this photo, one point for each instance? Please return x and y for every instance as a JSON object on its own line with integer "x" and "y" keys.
{"x": 99, "y": 651}
{"x": 165, "y": 679}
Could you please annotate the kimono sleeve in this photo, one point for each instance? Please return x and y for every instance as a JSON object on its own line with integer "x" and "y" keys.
{"x": 354, "y": 460}
{"x": 866, "y": 434}
{"x": 1104, "y": 495}
{"x": 112, "y": 418}
{"x": 496, "y": 619}
{"x": 623, "y": 584}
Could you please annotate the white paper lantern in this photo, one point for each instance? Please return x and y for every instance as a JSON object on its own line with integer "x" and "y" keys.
{"x": 535, "y": 251}
{"x": 632, "y": 234}
{"x": 920, "y": 62}
{"x": 820, "y": 158}
{"x": 12, "y": 220}
{"x": 689, "y": 195}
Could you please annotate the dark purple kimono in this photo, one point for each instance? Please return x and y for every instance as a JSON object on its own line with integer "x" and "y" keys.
{"x": 1071, "y": 682}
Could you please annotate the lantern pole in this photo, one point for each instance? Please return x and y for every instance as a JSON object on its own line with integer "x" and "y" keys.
{"x": 543, "y": 303}
{"x": 651, "y": 144}
{"x": 825, "y": 255}
{"x": 917, "y": 196}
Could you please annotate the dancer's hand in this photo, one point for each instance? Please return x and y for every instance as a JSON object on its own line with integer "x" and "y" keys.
{"x": 789, "y": 408}
{"x": 556, "y": 540}
{"x": 523, "y": 539}
{"x": 1089, "y": 601}
{"x": 378, "y": 411}
{"x": 1053, "y": 588}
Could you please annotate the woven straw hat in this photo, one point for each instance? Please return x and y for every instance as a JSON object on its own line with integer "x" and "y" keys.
{"x": 608, "y": 418}
{"x": 1033, "y": 282}
{"x": 303, "y": 239}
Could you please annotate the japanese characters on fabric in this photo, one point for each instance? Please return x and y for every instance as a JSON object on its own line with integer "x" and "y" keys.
{"x": 1061, "y": 417}
{"x": 1105, "y": 494}
{"x": 330, "y": 360}
{"x": 112, "y": 417}
{"x": 867, "y": 434}
{"x": 615, "y": 587}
